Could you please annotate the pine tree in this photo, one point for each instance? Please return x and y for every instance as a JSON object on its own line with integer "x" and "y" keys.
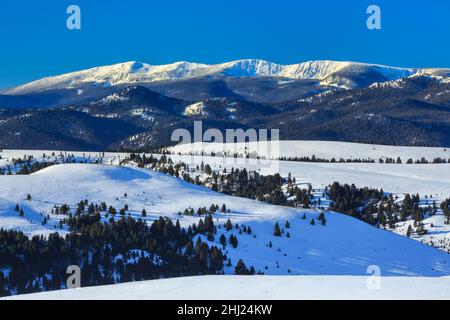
{"x": 17, "y": 209}
{"x": 409, "y": 231}
{"x": 241, "y": 268}
{"x": 321, "y": 218}
{"x": 233, "y": 241}
{"x": 277, "y": 231}
{"x": 228, "y": 225}
{"x": 287, "y": 225}
{"x": 421, "y": 229}
{"x": 252, "y": 271}
{"x": 312, "y": 222}
{"x": 223, "y": 240}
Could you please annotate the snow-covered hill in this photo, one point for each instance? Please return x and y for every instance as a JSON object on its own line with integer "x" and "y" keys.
{"x": 344, "y": 246}
{"x": 430, "y": 181}
{"x": 319, "y": 149}
{"x": 331, "y": 73}
{"x": 260, "y": 288}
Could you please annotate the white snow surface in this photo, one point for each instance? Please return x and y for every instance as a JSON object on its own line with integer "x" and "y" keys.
{"x": 321, "y": 149}
{"x": 260, "y": 288}
{"x": 425, "y": 179}
{"x": 135, "y": 72}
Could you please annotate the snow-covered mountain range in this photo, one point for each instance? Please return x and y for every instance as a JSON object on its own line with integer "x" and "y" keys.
{"x": 316, "y": 100}
{"x": 329, "y": 73}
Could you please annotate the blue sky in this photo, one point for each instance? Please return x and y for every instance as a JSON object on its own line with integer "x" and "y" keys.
{"x": 36, "y": 42}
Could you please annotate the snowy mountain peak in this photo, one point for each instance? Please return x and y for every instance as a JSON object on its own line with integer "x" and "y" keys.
{"x": 135, "y": 66}
{"x": 330, "y": 73}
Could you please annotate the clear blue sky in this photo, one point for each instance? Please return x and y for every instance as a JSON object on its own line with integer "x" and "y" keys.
{"x": 36, "y": 43}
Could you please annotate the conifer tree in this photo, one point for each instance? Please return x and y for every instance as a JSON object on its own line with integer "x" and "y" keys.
{"x": 233, "y": 241}
{"x": 277, "y": 231}
{"x": 228, "y": 225}
{"x": 322, "y": 218}
{"x": 241, "y": 268}
{"x": 223, "y": 240}
{"x": 409, "y": 231}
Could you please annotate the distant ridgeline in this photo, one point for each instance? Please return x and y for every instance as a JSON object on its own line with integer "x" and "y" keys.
{"x": 28, "y": 164}
{"x": 313, "y": 158}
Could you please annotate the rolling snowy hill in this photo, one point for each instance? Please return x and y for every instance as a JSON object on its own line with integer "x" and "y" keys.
{"x": 344, "y": 246}
{"x": 259, "y": 288}
{"x": 430, "y": 180}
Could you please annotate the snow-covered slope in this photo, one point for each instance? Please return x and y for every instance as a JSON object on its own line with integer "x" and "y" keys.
{"x": 345, "y": 246}
{"x": 320, "y": 149}
{"x": 430, "y": 181}
{"x": 425, "y": 179}
{"x": 195, "y": 109}
{"x": 260, "y": 288}
{"x": 331, "y": 73}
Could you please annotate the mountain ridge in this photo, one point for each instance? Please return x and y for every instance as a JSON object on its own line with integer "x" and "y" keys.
{"x": 328, "y": 72}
